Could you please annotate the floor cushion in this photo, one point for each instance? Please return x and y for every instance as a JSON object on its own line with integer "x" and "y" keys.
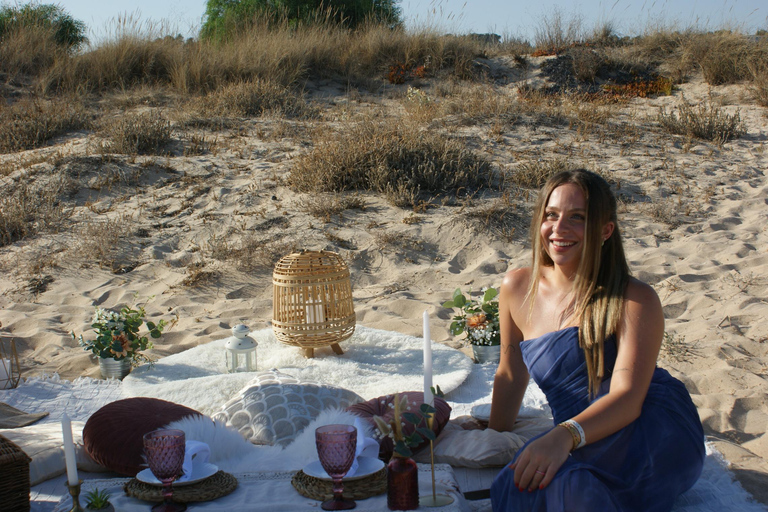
{"x": 273, "y": 408}
{"x": 113, "y": 435}
{"x": 384, "y": 406}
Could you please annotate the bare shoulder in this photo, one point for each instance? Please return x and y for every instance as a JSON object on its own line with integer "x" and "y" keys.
{"x": 641, "y": 294}
{"x": 516, "y": 280}
{"x": 642, "y": 309}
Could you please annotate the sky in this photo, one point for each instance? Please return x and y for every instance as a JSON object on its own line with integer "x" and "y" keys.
{"x": 516, "y": 18}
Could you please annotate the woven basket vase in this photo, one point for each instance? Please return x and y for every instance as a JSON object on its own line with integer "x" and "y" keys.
{"x": 312, "y": 300}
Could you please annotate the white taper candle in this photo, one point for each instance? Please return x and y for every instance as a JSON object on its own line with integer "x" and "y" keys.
{"x": 69, "y": 450}
{"x": 428, "y": 397}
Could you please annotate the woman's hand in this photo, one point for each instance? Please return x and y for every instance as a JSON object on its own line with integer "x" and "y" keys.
{"x": 537, "y": 465}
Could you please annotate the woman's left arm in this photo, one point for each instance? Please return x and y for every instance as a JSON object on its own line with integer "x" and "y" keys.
{"x": 639, "y": 340}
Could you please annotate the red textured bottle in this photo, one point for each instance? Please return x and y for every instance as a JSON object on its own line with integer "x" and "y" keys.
{"x": 402, "y": 484}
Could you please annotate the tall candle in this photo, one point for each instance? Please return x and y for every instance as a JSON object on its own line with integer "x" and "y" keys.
{"x": 69, "y": 450}
{"x": 428, "y": 397}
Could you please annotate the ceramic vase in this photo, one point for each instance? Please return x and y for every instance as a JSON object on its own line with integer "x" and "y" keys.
{"x": 112, "y": 368}
{"x": 402, "y": 484}
{"x": 486, "y": 353}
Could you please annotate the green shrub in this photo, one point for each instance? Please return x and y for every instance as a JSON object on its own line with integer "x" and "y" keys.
{"x": 225, "y": 18}
{"x": 67, "y": 31}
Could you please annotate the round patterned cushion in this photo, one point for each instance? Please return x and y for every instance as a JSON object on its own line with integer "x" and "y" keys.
{"x": 114, "y": 435}
{"x": 274, "y": 408}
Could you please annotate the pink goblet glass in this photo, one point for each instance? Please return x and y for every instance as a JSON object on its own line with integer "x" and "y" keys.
{"x": 164, "y": 450}
{"x": 336, "y": 446}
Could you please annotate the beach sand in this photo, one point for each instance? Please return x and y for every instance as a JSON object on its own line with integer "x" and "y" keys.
{"x": 693, "y": 213}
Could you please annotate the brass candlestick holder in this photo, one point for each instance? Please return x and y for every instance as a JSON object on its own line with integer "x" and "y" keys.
{"x": 434, "y": 499}
{"x": 74, "y": 491}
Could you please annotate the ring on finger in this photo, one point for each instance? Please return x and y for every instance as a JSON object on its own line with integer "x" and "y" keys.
{"x": 540, "y": 472}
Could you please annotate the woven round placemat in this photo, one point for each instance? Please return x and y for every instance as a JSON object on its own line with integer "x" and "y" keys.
{"x": 209, "y": 489}
{"x": 360, "y": 489}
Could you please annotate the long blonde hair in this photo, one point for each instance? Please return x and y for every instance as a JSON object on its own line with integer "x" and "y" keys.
{"x": 602, "y": 276}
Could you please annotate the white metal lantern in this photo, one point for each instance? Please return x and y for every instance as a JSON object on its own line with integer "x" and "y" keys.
{"x": 241, "y": 350}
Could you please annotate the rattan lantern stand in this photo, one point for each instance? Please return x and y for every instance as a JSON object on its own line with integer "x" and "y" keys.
{"x": 312, "y": 301}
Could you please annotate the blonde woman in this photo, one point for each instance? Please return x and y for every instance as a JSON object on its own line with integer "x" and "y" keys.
{"x": 627, "y": 436}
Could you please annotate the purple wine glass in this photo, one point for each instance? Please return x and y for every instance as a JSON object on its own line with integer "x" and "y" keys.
{"x": 336, "y": 446}
{"x": 164, "y": 450}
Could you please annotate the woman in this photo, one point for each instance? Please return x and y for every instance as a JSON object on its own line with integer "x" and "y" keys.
{"x": 627, "y": 435}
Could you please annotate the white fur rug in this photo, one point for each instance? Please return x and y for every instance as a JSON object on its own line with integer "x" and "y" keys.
{"x": 374, "y": 363}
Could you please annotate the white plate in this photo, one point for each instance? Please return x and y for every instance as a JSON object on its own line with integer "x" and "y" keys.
{"x": 199, "y": 472}
{"x": 481, "y": 412}
{"x": 366, "y": 466}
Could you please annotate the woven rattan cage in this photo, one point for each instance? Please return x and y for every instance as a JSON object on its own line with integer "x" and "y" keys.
{"x": 14, "y": 477}
{"x": 312, "y": 301}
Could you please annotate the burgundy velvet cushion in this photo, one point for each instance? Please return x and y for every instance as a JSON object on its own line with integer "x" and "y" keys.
{"x": 113, "y": 435}
{"x": 381, "y": 407}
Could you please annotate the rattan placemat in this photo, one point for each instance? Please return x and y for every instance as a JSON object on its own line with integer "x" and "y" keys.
{"x": 360, "y": 489}
{"x": 209, "y": 489}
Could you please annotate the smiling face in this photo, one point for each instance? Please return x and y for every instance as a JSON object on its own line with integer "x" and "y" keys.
{"x": 564, "y": 225}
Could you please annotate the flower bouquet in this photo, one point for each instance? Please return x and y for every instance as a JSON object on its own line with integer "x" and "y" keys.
{"x": 478, "y": 318}
{"x": 117, "y": 335}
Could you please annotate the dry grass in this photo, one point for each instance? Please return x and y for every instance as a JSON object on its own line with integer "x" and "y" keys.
{"x": 758, "y": 72}
{"x": 534, "y": 173}
{"x": 29, "y": 206}
{"x": 256, "y": 98}
{"x": 141, "y": 54}
{"x": 325, "y": 206}
{"x": 704, "y": 121}
{"x": 137, "y": 133}
{"x": 398, "y": 159}
{"x": 31, "y": 122}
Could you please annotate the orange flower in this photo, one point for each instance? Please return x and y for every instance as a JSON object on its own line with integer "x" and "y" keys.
{"x": 125, "y": 344}
{"x": 476, "y": 320}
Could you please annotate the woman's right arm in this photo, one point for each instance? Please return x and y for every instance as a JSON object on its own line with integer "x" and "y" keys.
{"x": 511, "y": 378}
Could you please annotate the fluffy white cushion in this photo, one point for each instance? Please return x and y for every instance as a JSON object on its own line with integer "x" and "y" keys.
{"x": 482, "y": 448}
{"x": 43, "y": 444}
{"x": 274, "y": 408}
{"x": 231, "y": 453}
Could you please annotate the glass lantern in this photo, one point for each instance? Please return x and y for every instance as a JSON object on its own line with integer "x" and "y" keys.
{"x": 240, "y": 350}
{"x": 10, "y": 373}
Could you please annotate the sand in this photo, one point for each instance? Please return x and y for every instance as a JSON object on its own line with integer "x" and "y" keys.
{"x": 693, "y": 217}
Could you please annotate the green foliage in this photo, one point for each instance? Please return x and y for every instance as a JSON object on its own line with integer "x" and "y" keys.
{"x": 97, "y": 499}
{"x": 479, "y": 319}
{"x": 393, "y": 428}
{"x": 223, "y": 18}
{"x": 67, "y": 31}
{"x": 117, "y": 334}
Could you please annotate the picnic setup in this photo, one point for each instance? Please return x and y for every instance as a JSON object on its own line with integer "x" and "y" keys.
{"x": 316, "y": 411}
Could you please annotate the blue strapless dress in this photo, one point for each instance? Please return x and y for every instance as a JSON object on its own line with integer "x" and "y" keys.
{"x": 642, "y": 467}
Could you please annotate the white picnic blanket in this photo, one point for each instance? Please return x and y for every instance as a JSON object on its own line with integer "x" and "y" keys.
{"x": 716, "y": 490}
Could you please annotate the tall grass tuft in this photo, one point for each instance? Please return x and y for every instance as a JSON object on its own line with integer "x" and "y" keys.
{"x": 399, "y": 160}
{"x": 704, "y": 121}
{"x": 31, "y": 122}
{"x": 140, "y": 133}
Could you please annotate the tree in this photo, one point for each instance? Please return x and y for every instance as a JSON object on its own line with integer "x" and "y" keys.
{"x": 66, "y": 30}
{"x": 223, "y": 17}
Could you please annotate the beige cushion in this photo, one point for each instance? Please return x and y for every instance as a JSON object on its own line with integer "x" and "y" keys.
{"x": 44, "y": 445}
{"x": 482, "y": 448}
{"x": 274, "y": 408}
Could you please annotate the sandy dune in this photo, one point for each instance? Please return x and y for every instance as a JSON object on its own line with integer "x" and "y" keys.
{"x": 694, "y": 220}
